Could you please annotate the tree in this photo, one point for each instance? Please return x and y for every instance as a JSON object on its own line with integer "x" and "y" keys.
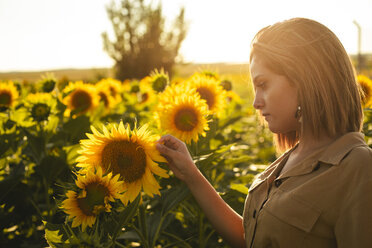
{"x": 141, "y": 43}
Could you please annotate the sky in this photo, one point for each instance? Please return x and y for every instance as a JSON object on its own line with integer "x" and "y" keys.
{"x": 58, "y": 34}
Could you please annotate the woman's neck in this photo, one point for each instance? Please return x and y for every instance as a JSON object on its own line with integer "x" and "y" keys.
{"x": 308, "y": 144}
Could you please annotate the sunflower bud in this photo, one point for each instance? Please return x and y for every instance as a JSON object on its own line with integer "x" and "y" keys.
{"x": 160, "y": 83}
{"x": 48, "y": 85}
{"x": 226, "y": 84}
{"x": 40, "y": 112}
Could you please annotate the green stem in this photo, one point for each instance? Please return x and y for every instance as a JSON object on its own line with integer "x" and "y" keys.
{"x": 37, "y": 208}
{"x": 125, "y": 216}
{"x": 179, "y": 240}
{"x": 139, "y": 233}
{"x": 69, "y": 231}
{"x": 142, "y": 225}
{"x": 47, "y": 197}
{"x": 209, "y": 236}
{"x": 118, "y": 244}
{"x": 201, "y": 231}
{"x": 158, "y": 229}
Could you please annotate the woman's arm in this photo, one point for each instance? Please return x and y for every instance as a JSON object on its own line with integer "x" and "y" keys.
{"x": 225, "y": 220}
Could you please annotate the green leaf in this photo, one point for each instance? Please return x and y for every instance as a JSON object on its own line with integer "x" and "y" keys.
{"x": 56, "y": 234}
{"x": 76, "y": 128}
{"x": 230, "y": 121}
{"x": 240, "y": 188}
{"x": 12, "y": 180}
{"x": 240, "y": 159}
{"x": 173, "y": 197}
{"x": 125, "y": 216}
{"x": 129, "y": 235}
{"x": 72, "y": 153}
{"x": 50, "y": 167}
{"x": 6, "y": 141}
{"x": 53, "y": 237}
{"x": 35, "y": 147}
{"x": 52, "y": 123}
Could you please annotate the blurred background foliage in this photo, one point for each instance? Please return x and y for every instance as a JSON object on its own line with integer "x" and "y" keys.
{"x": 141, "y": 38}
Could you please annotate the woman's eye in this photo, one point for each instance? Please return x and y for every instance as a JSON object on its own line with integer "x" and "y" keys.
{"x": 260, "y": 84}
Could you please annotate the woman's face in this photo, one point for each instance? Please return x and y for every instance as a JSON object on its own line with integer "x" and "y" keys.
{"x": 275, "y": 98}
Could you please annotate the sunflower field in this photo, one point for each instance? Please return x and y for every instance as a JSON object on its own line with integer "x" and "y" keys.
{"x": 79, "y": 167}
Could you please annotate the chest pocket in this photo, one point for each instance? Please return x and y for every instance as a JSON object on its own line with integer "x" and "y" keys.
{"x": 292, "y": 210}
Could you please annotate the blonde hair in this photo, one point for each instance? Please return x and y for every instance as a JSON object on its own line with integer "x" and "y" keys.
{"x": 316, "y": 63}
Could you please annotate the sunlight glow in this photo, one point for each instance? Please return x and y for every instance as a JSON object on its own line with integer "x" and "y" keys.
{"x": 42, "y": 34}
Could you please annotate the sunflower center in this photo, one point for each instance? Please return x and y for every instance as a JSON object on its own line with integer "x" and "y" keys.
{"x": 226, "y": 84}
{"x": 81, "y": 100}
{"x": 367, "y": 92}
{"x": 186, "y": 119}
{"x": 207, "y": 95}
{"x": 5, "y": 98}
{"x": 95, "y": 198}
{"x": 48, "y": 85}
{"x": 135, "y": 89}
{"x": 125, "y": 158}
{"x": 40, "y": 111}
{"x": 144, "y": 97}
{"x": 103, "y": 98}
{"x": 113, "y": 91}
{"x": 160, "y": 83}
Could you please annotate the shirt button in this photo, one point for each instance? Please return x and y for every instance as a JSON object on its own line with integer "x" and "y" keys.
{"x": 254, "y": 214}
{"x": 278, "y": 182}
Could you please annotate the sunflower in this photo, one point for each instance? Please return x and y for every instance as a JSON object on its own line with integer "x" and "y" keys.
{"x": 47, "y": 82}
{"x": 104, "y": 94}
{"x": 146, "y": 96}
{"x": 8, "y": 94}
{"x": 208, "y": 73}
{"x": 226, "y": 84}
{"x": 95, "y": 193}
{"x": 114, "y": 86}
{"x": 210, "y": 90}
{"x": 170, "y": 93}
{"x": 366, "y": 87}
{"x": 128, "y": 153}
{"x": 184, "y": 117}
{"x": 40, "y": 105}
{"x": 125, "y": 86}
{"x": 159, "y": 80}
{"x": 80, "y": 98}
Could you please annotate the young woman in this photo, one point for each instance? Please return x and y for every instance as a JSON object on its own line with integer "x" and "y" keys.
{"x": 318, "y": 193}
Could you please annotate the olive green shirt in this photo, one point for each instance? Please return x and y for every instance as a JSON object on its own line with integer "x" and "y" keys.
{"x": 324, "y": 201}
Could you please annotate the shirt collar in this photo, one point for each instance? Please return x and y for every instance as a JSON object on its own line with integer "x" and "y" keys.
{"x": 337, "y": 150}
{"x": 333, "y": 155}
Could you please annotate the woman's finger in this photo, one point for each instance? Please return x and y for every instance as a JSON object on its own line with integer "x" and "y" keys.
{"x": 169, "y": 141}
{"x": 164, "y": 150}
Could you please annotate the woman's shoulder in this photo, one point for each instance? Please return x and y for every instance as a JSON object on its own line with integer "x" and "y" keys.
{"x": 357, "y": 164}
{"x": 360, "y": 155}
{"x": 349, "y": 148}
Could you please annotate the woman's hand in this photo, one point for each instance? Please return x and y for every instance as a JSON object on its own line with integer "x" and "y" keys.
{"x": 178, "y": 157}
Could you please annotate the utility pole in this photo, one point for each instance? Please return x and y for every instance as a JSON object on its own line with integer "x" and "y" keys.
{"x": 359, "y": 45}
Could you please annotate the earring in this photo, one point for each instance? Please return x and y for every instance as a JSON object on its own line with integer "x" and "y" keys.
{"x": 298, "y": 113}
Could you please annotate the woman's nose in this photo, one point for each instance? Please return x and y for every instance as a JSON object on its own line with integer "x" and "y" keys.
{"x": 258, "y": 102}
